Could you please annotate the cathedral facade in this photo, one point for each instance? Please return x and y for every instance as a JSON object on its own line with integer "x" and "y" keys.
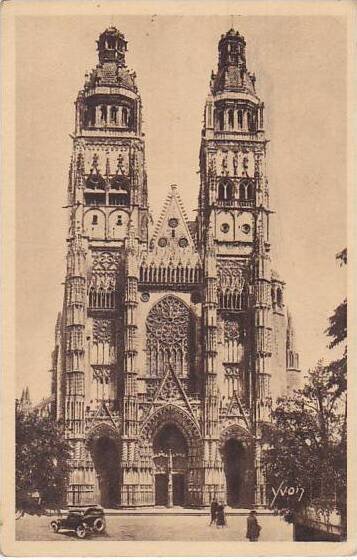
{"x": 172, "y": 345}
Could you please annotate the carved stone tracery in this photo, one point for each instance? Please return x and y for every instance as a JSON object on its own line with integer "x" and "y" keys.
{"x": 230, "y": 275}
{"x": 102, "y": 330}
{"x": 168, "y": 334}
{"x": 168, "y": 321}
{"x": 105, "y": 261}
{"x": 232, "y": 330}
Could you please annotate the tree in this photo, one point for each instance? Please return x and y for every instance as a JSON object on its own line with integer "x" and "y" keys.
{"x": 42, "y": 460}
{"x": 337, "y": 331}
{"x": 302, "y": 442}
{"x": 306, "y": 443}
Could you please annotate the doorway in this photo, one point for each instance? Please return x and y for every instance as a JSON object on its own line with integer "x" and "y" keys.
{"x": 178, "y": 488}
{"x": 107, "y": 466}
{"x": 234, "y": 469}
{"x": 170, "y": 458}
{"x": 161, "y": 489}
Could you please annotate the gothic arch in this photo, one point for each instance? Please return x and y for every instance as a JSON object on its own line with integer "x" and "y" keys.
{"x": 236, "y": 432}
{"x": 171, "y": 414}
{"x": 102, "y": 429}
{"x": 236, "y": 451}
{"x": 103, "y": 444}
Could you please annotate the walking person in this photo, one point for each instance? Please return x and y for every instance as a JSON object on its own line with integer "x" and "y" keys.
{"x": 220, "y": 515}
{"x": 214, "y": 506}
{"x": 253, "y": 527}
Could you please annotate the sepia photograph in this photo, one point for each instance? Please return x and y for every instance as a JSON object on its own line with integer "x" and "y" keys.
{"x": 180, "y": 182}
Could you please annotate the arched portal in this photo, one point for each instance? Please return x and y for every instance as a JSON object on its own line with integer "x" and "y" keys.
{"x": 235, "y": 466}
{"x": 170, "y": 459}
{"x": 105, "y": 456}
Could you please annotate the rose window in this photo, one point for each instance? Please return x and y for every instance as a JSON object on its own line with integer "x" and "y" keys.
{"x": 168, "y": 333}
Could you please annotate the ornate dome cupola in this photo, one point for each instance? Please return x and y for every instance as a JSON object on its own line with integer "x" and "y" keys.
{"x": 112, "y": 46}
{"x": 109, "y": 100}
{"x": 233, "y": 106}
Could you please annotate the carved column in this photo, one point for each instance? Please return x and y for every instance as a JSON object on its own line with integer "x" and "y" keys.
{"x": 210, "y": 411}
{"x": 129, "y": 490}
{"x": 262, "y": 342}
{"x": 75, "y": 316}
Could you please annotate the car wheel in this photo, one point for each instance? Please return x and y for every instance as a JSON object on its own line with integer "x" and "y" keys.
{"x": 54, "y": 526}
{"x": 99, "y": 525}
{"x": 81, "y": 531}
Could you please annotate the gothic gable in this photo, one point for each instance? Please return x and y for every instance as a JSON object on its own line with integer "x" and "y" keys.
{"x": 172, "y": 234}
{"x": 235, "y": 410}
{"x": 171, "y": 391}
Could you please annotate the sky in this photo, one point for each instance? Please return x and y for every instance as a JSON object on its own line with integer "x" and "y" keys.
{"x": 301, "y": 77}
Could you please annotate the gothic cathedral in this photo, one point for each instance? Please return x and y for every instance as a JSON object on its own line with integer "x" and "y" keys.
{"x": 172, "y": 344}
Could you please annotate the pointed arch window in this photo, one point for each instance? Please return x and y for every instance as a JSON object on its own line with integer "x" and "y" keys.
{"x": 225, "y": 190}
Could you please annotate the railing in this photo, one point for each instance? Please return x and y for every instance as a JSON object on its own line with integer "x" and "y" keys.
{"x": 107, "y": 131}
{"x": 110, "y": 89}
{"x": 170, "y": 275}
{"x": 248, "y": 136}
{"x": 235, "y": 203}
{"x": 325, "y": 521}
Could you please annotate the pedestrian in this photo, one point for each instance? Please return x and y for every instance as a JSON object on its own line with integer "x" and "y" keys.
{"x": 253, "y": 527}
{"x": 214, "y": 506}
{"x": 220, "y": 515}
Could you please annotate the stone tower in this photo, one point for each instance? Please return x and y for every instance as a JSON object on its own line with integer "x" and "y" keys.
{"x": 234, "y": 206}
{"x": 170, "y": 350}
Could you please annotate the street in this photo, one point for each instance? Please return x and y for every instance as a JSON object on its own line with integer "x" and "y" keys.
{"x": 160, "y": 527}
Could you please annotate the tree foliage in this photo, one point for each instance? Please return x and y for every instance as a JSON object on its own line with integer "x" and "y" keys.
{"x": 337, "y": 332}
{"x": 337, "y": 329}
{"x": 306, "y": 443}
{"x": 42, "y": 460}
{"x": 303, "y": 443}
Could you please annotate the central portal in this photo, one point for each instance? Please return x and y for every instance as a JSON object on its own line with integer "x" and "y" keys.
{"x": 170, "y": 458}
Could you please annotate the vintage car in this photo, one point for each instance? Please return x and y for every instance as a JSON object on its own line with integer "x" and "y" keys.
{"x": 81, "y": 521}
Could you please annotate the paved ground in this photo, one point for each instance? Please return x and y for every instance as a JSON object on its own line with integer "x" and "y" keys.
{"x": 160, "y": 527}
